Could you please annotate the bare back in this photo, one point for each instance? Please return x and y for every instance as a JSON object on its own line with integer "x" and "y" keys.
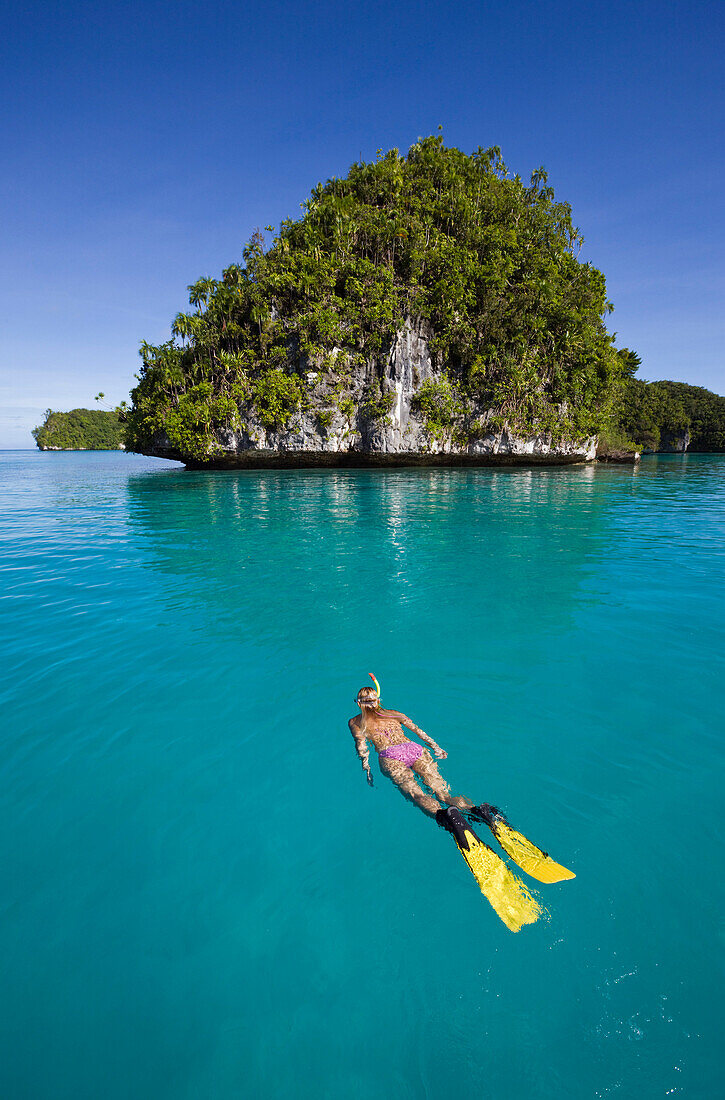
{"x": 382, "y": 732}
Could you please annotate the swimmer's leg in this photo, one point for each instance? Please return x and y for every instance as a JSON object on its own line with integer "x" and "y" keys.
{"x": 427, "y": 769}
{"x": 406, "y": 783}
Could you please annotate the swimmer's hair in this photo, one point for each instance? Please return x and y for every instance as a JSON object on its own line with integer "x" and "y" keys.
{"x": 367, "y": 697}
{"x": 369, "y": 703}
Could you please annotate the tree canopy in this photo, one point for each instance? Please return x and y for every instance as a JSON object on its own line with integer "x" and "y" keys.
{"x": 80, "y": 430}
{"x": 488, "y": 263}
{"x": 648, "y": 410}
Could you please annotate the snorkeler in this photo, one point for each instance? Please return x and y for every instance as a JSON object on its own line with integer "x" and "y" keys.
{"x": 404, "y": 761}
{"x": 412, "y": 768}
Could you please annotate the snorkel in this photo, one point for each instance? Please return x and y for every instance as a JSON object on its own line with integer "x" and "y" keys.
{"x": 377, "y": 685}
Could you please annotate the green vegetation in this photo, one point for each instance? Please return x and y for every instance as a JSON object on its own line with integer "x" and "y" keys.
{"x": 613, "y": 439}
{"x": 488, "y": 263}
{"x": 377, "y": 405}
{"x": 80, "y": 430}
{"x": 651, "y": 412}
{"x": 276, "y": 395}
{"x": 440, "y": 407}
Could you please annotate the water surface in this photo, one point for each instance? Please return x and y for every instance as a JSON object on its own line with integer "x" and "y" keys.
{"x": 202, "y": 897}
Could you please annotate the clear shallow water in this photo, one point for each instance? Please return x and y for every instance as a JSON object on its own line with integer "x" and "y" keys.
{"x": 202, "y": 897}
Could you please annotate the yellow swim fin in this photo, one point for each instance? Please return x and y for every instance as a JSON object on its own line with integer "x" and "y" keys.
{"x": 531, "y": 859}
{"x": 502, "y": 889}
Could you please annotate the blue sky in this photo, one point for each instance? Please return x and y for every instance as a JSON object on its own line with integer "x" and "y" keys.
{"x": 141, "y": 145}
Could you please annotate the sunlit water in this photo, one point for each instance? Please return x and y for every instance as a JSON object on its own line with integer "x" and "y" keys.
{"x": 201, "y": 896}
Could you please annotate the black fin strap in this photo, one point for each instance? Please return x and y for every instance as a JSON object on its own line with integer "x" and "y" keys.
{"x": 452, "y": 821}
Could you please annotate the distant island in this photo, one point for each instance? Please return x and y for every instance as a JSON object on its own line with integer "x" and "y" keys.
{"x": 671, "y": 416}
{"x": 81, "y": 430}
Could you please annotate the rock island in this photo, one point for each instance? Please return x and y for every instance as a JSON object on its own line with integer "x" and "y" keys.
{"x": 428, "y": 308}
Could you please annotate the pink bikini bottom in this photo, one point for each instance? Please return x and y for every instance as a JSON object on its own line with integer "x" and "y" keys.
{"x": 407, "y": 753}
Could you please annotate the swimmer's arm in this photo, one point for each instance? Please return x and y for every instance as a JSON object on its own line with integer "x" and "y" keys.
{"x": 361, "y": 747}
{"x": 440, "y": 753}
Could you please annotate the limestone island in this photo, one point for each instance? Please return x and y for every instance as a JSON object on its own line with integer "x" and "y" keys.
{"x": 429, "y": 308}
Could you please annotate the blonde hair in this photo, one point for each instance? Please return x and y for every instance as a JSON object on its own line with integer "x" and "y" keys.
{"x": 369, "y": 702}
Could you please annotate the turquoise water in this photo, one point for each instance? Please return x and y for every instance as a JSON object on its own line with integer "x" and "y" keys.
{"x": 202, "y": 897}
